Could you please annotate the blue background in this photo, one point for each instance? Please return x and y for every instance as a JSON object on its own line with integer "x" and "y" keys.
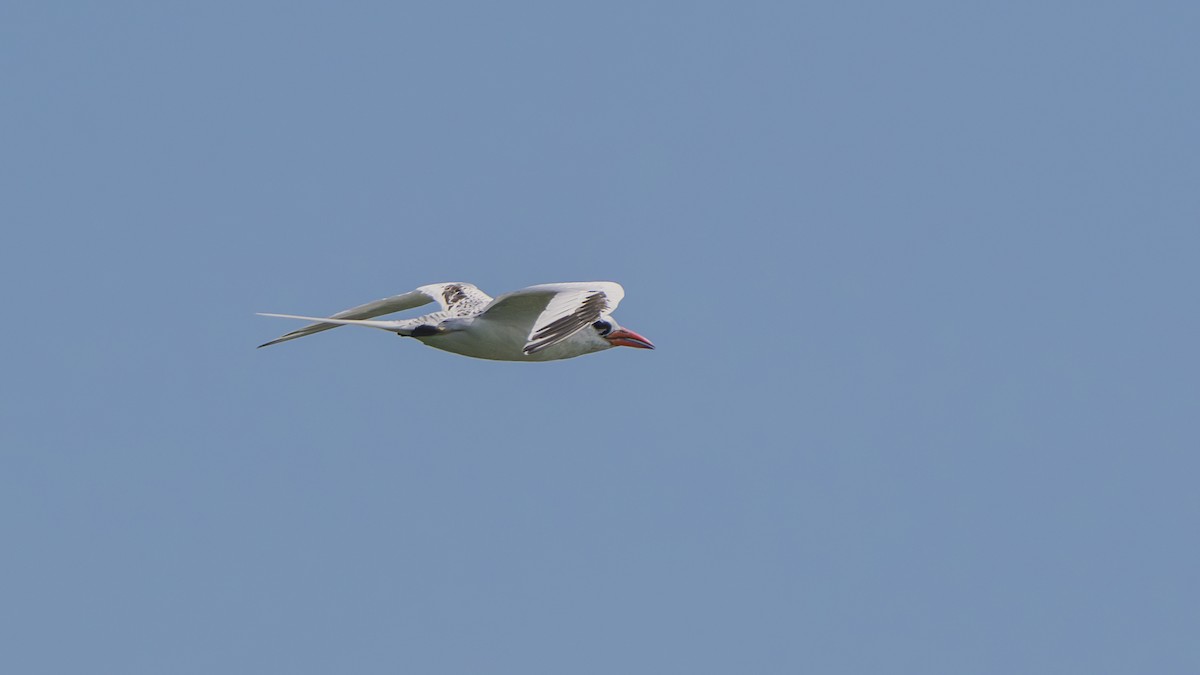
{"x": 922, "y": 277}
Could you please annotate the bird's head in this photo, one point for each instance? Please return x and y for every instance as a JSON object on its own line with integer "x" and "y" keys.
{"x": 615, "y": 336}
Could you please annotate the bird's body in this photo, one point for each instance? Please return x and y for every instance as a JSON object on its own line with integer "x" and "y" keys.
{"x": 540, "y": 323}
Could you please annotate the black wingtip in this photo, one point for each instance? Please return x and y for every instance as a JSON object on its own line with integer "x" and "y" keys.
{"x": 282, "y": 338}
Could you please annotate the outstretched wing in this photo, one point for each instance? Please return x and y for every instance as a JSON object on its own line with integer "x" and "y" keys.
{"x": 551, "y": 313}
{"x": 457, "y": 298}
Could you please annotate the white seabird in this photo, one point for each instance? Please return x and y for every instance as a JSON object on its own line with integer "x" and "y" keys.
{"x": 539, "y": 323}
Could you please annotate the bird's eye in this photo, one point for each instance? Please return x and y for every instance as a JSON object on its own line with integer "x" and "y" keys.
{"x": 603, "y": 326}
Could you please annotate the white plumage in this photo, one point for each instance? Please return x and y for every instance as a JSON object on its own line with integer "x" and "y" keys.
{"x": 540, "y": 323}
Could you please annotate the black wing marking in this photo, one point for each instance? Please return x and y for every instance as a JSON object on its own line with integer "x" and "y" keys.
{"x": 588, "y": 312}
{"x": 463, "y": 299}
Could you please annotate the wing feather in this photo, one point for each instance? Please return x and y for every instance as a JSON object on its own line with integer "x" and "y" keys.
{"x": 587, "y": 308}
{"x": 459, "y": 298}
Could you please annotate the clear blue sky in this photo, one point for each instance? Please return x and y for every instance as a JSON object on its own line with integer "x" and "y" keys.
{"x": 923, "y": 279}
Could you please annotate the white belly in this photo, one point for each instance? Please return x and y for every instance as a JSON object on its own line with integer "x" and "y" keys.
{"x": 499, "y": 342}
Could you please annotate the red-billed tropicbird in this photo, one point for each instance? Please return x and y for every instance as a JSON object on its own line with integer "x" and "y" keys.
{"x": 539, "y": 323}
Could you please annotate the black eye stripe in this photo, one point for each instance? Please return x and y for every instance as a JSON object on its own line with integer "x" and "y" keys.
{"x": 603, "y": 326}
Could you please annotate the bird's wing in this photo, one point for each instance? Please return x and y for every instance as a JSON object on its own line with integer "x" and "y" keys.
{"x": 458, "y": 298}
{"x": 552, "y": 313}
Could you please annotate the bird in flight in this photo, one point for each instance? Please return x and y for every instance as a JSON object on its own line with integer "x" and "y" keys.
{"x": 540, "y": 323}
